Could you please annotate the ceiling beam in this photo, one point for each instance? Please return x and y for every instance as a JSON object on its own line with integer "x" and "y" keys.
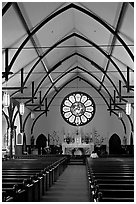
{"x": 24, "y": 97}
{"x": 32, "y": 92}
{"x": 132, "y": 4}
{"x": 60, "y": 11}
{"x": 31, "y": 38}
{"x": 13, "y": 87}
{"x": 7, "y": 72}
{"x": 22, "y": 79}
{"x": 66, "y": 46}
{"x": 82, "y": 56}
{"x": 6, "y": 7}
{"x": 125, "y": 96}
{"x": 60, "y": 62}
{"x": 120, "y": 104}
{"x": 34, "y": 104}
{"x": 94, "y": 88}
{"x": 118, "y": 26}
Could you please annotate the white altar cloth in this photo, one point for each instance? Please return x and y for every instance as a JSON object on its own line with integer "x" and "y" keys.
{"x": 89, "y": 146}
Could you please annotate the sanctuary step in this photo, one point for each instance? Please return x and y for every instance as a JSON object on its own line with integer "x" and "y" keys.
{"x": 77, "y": 160}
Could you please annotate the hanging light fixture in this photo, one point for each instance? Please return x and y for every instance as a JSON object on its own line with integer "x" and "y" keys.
{"x": 32, "y": 115}
{"x": 128, "y": 108}
{"x": 120, "y": 114}
{"x": 6, "y": 99}
{"x": 21, "y": 108}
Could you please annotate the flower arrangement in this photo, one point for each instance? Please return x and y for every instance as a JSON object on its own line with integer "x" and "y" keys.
{"x": 87, "y": 139}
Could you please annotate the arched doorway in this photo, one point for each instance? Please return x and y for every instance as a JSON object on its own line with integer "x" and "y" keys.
{"x": 41, "y": 143}
{"x": 114, "y": 144}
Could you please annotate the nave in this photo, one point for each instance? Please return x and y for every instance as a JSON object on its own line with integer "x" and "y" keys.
{"x": 67, "y": 101}
{"x": 71, "y": 186}
{"x": 57, "y": 179}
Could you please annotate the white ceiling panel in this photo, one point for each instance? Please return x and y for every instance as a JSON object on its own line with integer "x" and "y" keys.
{"x": 20, "y": 20}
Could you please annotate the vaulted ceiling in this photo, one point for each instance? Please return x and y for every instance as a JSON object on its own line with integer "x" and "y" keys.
{"x": 46, "y": 44}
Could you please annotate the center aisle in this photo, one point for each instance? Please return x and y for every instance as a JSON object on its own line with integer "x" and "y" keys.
{"x": 70, "y": 187}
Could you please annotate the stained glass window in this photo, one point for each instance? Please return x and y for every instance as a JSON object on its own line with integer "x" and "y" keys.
{"x": 78, "y": 108}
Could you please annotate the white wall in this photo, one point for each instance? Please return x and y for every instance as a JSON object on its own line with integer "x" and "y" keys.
{"x": 105, "y": 124}
{"x": 53, "y": 124}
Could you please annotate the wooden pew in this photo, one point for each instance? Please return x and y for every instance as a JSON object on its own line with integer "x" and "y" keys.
{"x": 14, "y": 192}
{"x": 37, "y": 184}
{"x": 6, "y": 197}
{"x": 111, "y": 181}
{"x": 43, "y": 176}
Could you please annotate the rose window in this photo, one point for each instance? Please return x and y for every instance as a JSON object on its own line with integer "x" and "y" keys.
{"x": 78, "y": 108}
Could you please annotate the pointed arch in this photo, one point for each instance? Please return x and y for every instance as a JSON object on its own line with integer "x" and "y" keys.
{"x": 61, "y": 89}
{"x": 60, "y": 11}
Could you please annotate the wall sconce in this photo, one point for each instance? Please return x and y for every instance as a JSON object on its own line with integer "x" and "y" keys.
{"x": 128, "y": 108}
{"x": 6, "y": 99}
{"x": 32, "y": 115}
{"x": 21, "y": 108}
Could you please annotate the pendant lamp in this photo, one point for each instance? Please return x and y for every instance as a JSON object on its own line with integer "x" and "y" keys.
{"x": 120, "y": 114}
{"x": 128, "y": 108}
{"x": 32, "y": 115}
{"x": 21, "y": 108}
{"x": 6, "y": 99}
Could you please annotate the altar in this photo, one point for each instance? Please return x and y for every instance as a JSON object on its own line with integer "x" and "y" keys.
{"x": 75, "y": 144}
{"x": 85, "y": 149}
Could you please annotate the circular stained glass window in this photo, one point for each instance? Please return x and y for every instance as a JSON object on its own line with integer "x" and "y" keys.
{"x": 78, "y": 108}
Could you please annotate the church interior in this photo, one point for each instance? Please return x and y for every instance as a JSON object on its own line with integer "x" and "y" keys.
{"x": 67, "y": 101}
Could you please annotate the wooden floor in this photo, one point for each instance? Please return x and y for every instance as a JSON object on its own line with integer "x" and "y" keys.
{"x": 70, "y": 187}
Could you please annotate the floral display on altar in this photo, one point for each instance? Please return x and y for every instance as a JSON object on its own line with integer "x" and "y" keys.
{"x": 70, "y": 136}
{"x": 86, "y": 137}
{"x": 98, "y": 139}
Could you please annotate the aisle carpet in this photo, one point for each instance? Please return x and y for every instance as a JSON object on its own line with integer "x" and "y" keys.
{"x": 70, "y": 187}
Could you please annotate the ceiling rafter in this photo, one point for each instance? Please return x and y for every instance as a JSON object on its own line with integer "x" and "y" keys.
{"x": 59, "y": 63}
{"x": 45, "y": 96}
{"x": 77, "y": 67}
{"x": 96, "y": 57}
{"x": 82, "y": 56}
{"x": 6, "y": 7}
{"x": 62, "y": 88}
{"x": 60, "y": 11}
{"x": 67, "y": 46}
{"x": 118, "y": 26}
{"x": 132, "y": 127}
{"x": 16, "y": 6}
{"x": 132, "y": 4}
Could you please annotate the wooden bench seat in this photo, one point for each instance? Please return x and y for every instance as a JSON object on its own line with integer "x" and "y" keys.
{"x": 112, "y": 170}
{"x": 114, "y": 177}
{"x": 40, "y": 172}
{"x": 114, "y": 173}
{"x": 120, "y": 186}
{"x": 47, "y": 174}
{"x": 14, "y": 192}
{"x": 40, "y": 177}
{"x": 115, "y": 181}
{"x": 118, "y": 193}
{"x": 7, "y": 198}
{"x": 111, "y": 179}
{"x": 30, "y": 190}
{"x": 20, "y": 182}
{"x": 114, "y": 199}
